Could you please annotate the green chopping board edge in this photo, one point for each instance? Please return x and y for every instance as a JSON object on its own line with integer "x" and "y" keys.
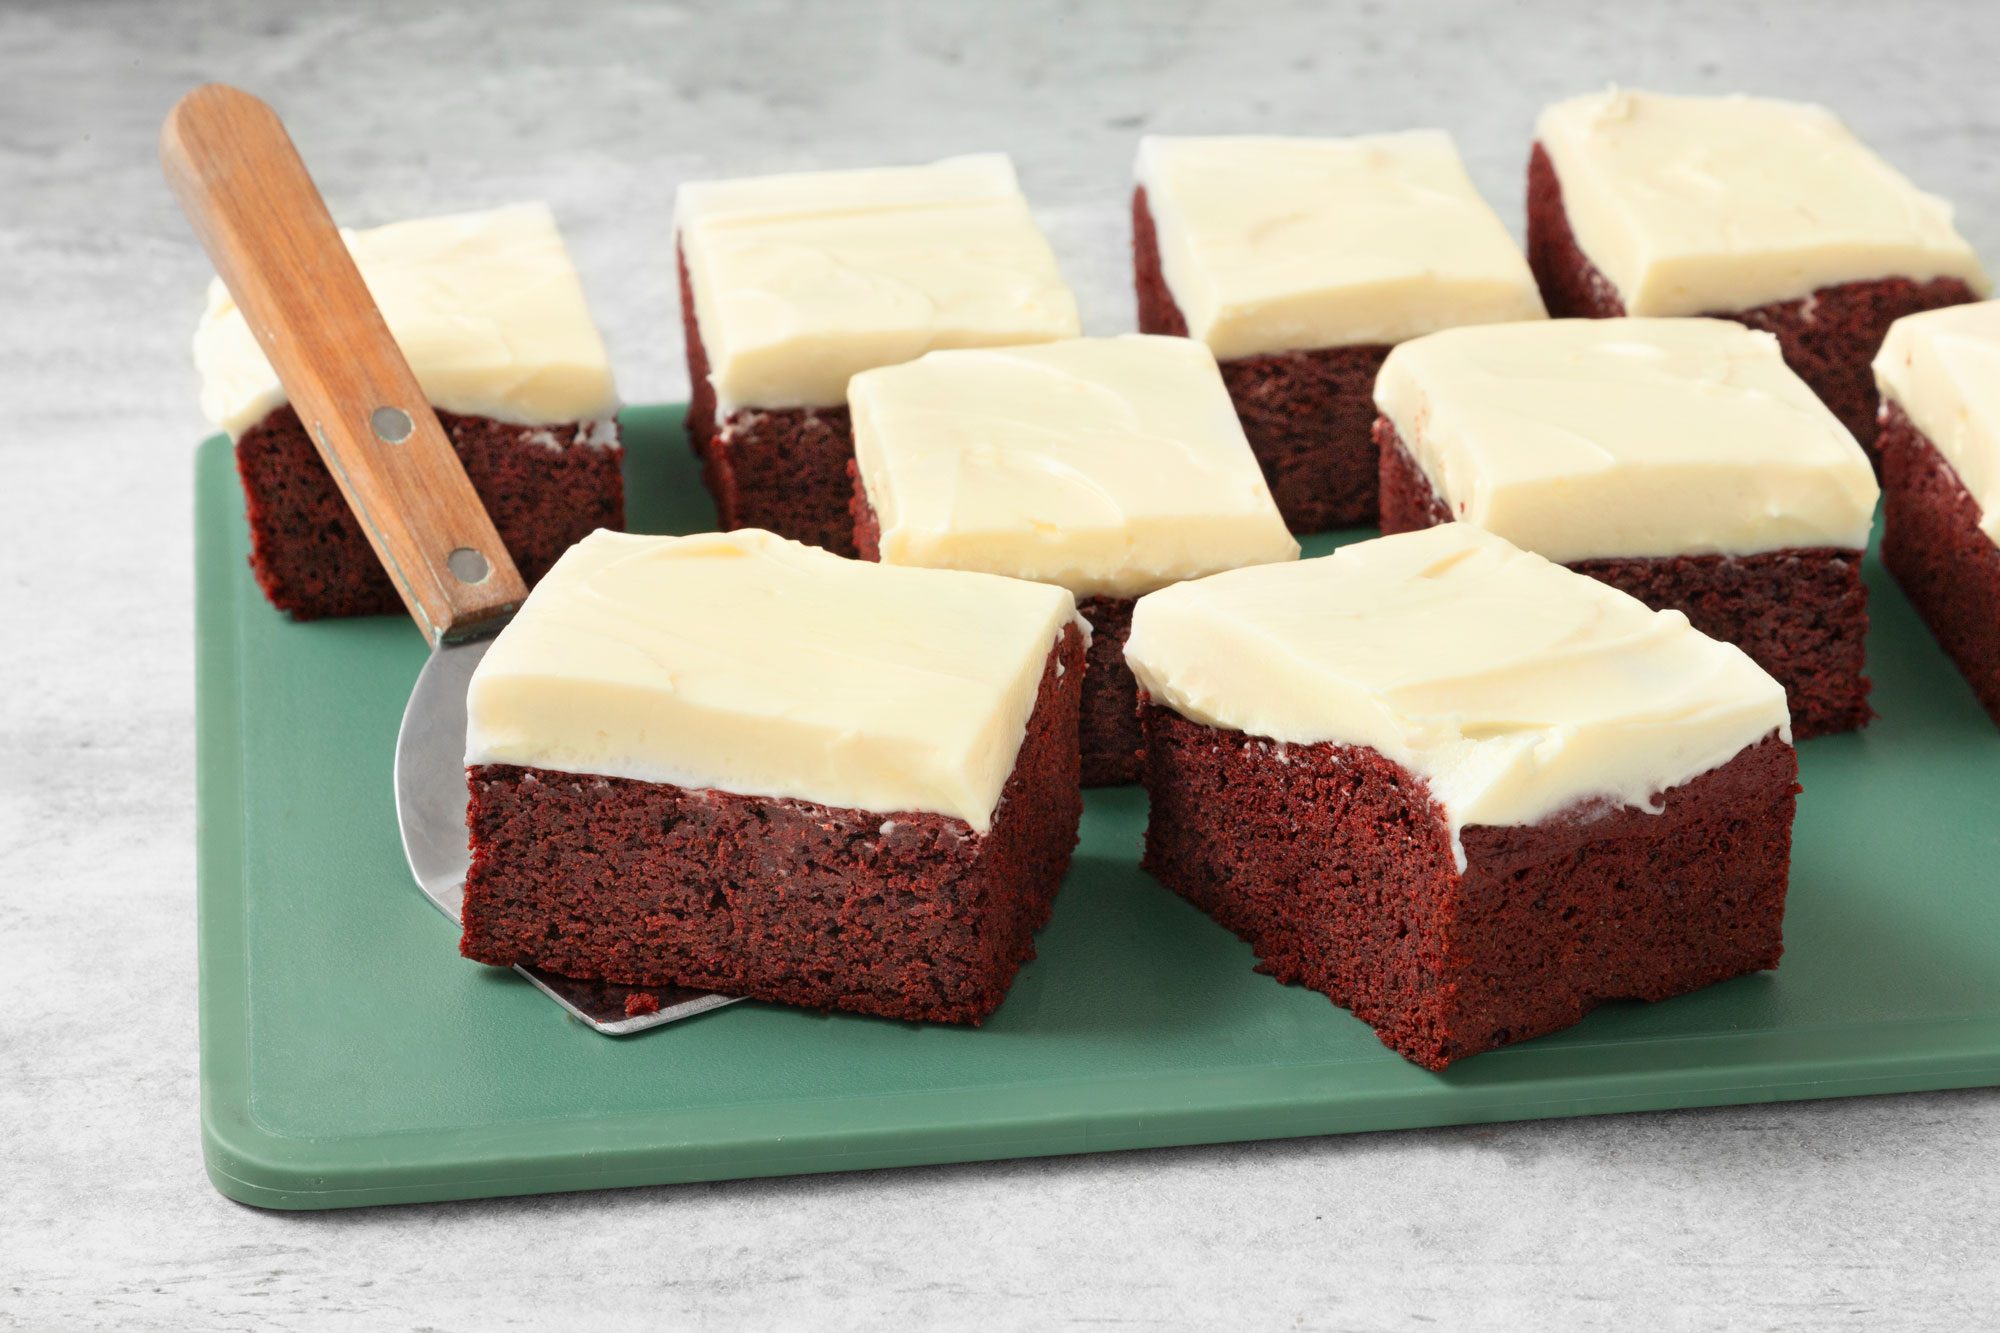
{"x": 350, "y": 1057}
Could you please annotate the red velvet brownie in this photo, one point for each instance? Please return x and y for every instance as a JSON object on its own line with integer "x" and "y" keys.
{"x": 1940, "y": 446}
{"x": 1108, "y": 466}
{"x": 490, "y": 314}
{"x": 792, "y": 284}
{"x": 1678, "y": 460}
{"x": 1463, "y": 792}
{"x": 736, "y": 763}
{"x": 1300, "y": 262}
{"x": 1768, "y": 213}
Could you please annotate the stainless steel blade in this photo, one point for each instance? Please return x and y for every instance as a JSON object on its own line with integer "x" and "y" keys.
{"x": 431, "y": 800}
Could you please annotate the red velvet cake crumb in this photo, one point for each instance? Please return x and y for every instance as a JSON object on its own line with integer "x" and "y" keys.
{"x": 310, "y": 556}
{"x": 1828, "y": 338}
{"x": 1306, "y": 413}
{"x": 1336, "y": 866}
{"x": 1943, "y": 561}
{"x": 640, "y": 1003}
{"x": 1111, "y": 741}
{"x": 913, "y": 916}
{"x": 1800, "y": 613}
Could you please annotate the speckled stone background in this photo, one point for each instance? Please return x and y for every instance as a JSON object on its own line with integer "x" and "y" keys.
{"x": 1867, "y": 1213}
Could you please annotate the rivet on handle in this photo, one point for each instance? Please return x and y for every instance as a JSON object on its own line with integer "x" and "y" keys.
{"x": 467, "y": 565}
{"x": 392, "y": 425}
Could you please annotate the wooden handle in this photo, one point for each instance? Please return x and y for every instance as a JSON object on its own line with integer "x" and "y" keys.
{"x": 261, "y": 219}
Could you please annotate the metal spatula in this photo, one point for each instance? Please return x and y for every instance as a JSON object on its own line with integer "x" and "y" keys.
{"x": 259, "y": 216}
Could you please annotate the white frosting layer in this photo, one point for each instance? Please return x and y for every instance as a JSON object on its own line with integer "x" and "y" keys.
{"x": 1582, "y": 438}
{"x": 746, "y": 663}
{"x": 1276, "y": 245}
{"x": 1112, "y": 466}
{"x": 1706, "y": 205}
{"x": 486, "y": 307}
{"x": 1942, "y": 368}
{"x": 1515, "y": 688}
{"x": 800, "y": 282}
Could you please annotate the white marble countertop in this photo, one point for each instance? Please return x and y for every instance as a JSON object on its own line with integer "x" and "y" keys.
{"x": 1872, "y": 1212}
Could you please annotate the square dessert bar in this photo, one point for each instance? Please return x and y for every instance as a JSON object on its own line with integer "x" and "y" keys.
{"x": 1108, "y": 466}
{"x": 1300, "y": 262}
{"x": 1769, "y": 213}
{"x": 792, "y": 284}
{"x": 735, "y": 763}
{"x": 1939, "y": 374}
{"x": 1463, "y": 792}
{"x": 489, "y": 312}
{"x": 1679, "y": 460}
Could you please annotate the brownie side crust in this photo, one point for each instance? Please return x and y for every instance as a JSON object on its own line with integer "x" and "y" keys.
{"x": 1828, "y": 338}
{"x": 1572, "y": 286}
{"x": 1110, "y": 739}
{"x": 1335, "y": 865}
{"x": 786, "y": 472}
{"x": 1944, "y": 563}
{"x": 782, "y": 469}
{"x": 1109, "y": 713}
{"x": 544, "y": 489}
{"x": 1409, "y": 501}
{"x": 1800, "y": 613}
{"x": 910, "y": 916}
{"x": 1306, "y": 413}
{"x": 700, "y": 419}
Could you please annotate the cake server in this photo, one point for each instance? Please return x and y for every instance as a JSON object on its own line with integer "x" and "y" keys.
{"x": 260, "y": 218}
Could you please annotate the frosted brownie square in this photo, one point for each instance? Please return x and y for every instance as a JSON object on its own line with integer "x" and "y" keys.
{"x": 1462, "y": 791}
{"x": 1939, "y": 374}
{"x": 792, "y": 284}
{"x": 735, "y": 763}
{"x": 488, "y": 310}
{"x": 1766, "y": 212}
{"x": 1299, "y": 263}
{"x": 1677, "y": 459}
{"x": 1108, "y": 466}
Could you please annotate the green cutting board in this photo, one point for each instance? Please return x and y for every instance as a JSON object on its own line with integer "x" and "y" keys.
{"x": 350, "y": 1056}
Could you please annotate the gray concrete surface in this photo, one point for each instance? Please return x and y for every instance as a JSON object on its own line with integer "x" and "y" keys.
{"x": 1866, "y": 1213}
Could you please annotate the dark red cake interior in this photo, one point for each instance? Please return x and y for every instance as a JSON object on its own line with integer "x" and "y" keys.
{"x": 783, "y": 470}
{"x": 1336, "y": 866}
{"x": 310, "y": 556}
{"x": 1943, "y": 561}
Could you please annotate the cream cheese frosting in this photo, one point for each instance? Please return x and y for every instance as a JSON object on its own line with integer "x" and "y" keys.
{"x": 1110, "y": 466}
{"x": 1515, "y": 688}
{"x": 1942, "y": 367}
{"x": 745, "y": 663}
{"x": 800, "y": 282}
{"x": 1280, "y": 244}
{"x": 1587, "y": 438}
{"x": 1702, "y": 205}
{"x": 486, "y": 307}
